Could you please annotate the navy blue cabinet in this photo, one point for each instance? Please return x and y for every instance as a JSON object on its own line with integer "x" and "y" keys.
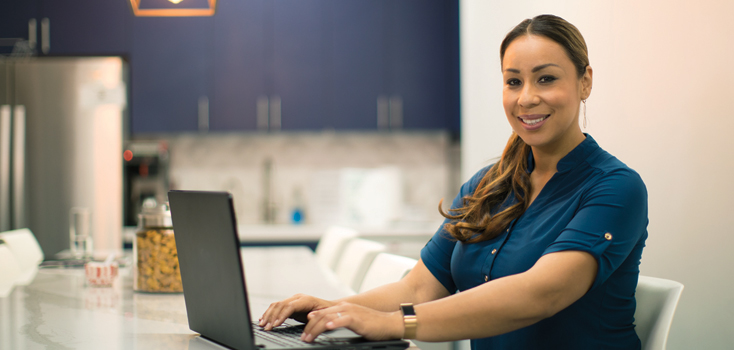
{"x": 299, "y": 63}
{"x": 69, "y": 27}
{"x": 171, "y": 69}
{"x": 421, "y": 50}
{"x": 84, "y": 27}
{"x": 344, "y": 65}
{"x": 268, "y": 64}
{"x": 14, "y": 16}
{"x": 358, "y": 61}
{"x": 394, "y": 64}
{"x": 238, "y": 63}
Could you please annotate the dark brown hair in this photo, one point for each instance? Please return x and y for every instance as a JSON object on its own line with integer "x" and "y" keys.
{"x": 482, "y": 217}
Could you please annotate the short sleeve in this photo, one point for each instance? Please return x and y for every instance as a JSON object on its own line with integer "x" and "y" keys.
{"x": 610, "y": 221}
{"x": 436, "y": 255}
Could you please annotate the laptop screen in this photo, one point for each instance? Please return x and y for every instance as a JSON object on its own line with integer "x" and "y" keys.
{"x": 212, "y": 275}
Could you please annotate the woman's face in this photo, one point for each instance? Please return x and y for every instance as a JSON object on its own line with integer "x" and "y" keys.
{"x": 542, "y": 93}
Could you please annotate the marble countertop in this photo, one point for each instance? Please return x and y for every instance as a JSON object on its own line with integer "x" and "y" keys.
{"x": 59, "y": 311}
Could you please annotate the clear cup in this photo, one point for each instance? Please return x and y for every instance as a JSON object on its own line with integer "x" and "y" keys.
{"x": 80, "y": 235}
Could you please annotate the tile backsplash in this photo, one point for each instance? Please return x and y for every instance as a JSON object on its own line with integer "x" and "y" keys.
{"x": 308, "y": 170}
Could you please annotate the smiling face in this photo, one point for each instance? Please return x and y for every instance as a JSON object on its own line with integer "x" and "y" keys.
{"x": 542, "y": 94}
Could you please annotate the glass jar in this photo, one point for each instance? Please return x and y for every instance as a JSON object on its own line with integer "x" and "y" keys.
{"x": 155, "y": 258}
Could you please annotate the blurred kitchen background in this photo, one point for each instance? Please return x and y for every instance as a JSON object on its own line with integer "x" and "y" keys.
{"x": 310, "y": 112}
{"x": 290, "y": 103}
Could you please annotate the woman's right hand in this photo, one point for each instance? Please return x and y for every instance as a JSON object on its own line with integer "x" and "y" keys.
{"x": 296, "y": 307}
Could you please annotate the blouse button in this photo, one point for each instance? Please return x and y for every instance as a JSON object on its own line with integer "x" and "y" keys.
{"x": 608, "y": 236}
{"x": 494, "y": 251}
{"x": 486, "y": 278}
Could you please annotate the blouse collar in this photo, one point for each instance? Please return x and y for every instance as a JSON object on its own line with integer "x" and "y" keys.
{"x": 579, "y": 154}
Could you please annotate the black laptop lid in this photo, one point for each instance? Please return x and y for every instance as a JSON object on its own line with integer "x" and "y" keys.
{"x": 209, "y": 257}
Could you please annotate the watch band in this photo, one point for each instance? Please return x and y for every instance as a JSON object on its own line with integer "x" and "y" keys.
{"x": 409, "y": 320}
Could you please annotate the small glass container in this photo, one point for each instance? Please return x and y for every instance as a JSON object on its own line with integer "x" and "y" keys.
{"x": 155, "y": 264}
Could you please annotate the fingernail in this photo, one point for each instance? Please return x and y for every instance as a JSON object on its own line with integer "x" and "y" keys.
{"x": 330, "y": 324}
{"x": 303, "y": 336}
{"x": 308, "y": 338}
{"x": 267, "y": 326}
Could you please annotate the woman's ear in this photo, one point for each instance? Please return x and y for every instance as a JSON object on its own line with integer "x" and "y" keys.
{"x": 586, "y": 82}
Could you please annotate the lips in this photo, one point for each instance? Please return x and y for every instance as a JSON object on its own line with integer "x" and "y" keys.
{"x": 533, "y": 121}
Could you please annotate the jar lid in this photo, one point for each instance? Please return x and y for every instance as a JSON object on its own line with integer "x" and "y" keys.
{"x": 155, "y": 216}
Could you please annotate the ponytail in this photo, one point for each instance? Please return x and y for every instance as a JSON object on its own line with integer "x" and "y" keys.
{"x": 475, "y": 221}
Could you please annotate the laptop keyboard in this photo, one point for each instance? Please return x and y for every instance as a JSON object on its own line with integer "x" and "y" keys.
{"x": 290, "y": 335}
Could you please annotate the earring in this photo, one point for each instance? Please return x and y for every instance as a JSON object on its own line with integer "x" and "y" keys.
{"x": 584, "y": 101}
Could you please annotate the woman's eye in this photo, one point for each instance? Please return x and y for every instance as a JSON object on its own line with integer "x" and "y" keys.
{"x": 513, "y": 82}
{"x": 547, "y": 79}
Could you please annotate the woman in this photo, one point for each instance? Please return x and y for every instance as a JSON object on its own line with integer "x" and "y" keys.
{"x": 542, "y": 247}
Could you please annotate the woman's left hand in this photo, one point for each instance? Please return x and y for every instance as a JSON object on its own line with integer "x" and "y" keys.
{"x": 369, "y": 323}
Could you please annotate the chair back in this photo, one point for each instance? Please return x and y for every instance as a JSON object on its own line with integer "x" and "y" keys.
{"x": 9, "y": 270}
{"x": 331, "y": 245}
{"x": 356, "y": 259}
{"x": 657, "y": 299}
{"x": 27, "y": 252}
{"x": 386, "y": 268}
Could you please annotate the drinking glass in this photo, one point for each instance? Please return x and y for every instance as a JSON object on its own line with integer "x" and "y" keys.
{"x": 80, "y": 236}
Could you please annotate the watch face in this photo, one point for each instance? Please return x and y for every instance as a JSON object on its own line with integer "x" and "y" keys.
{"x": 407, "y": 309}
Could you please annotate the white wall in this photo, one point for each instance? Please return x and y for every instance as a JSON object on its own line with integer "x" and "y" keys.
{"x": 662, "y": 102}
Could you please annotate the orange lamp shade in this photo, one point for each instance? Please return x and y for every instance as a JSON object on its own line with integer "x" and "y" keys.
{"x": 173, "y": 8}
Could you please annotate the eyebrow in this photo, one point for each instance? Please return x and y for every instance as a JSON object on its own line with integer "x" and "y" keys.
{"x": 540, "y": 67}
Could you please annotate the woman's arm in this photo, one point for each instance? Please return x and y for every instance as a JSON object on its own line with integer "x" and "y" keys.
{"x": 556, "y": 281}
{"x": 500, "y": 306}
{"x": 417, "y": 287}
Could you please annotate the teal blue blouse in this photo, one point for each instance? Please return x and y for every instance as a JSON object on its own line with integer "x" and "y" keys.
{"x": 595, "y": 204}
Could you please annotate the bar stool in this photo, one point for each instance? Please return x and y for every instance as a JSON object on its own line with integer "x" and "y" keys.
{"x": 331, "y": 245}
{"x": 386, "y": 268}
{"x": 356, "y": 259}
{"x": 27, "y": 252}
{"x": 9, "y": 270}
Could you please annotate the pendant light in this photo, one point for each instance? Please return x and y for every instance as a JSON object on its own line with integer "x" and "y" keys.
{"x": 163, "y": 8}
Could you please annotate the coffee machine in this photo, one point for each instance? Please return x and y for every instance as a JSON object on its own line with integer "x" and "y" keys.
{"x": 145, "y": 177}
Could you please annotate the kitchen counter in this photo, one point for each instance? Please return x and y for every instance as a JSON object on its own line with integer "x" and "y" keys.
{"x": 58, "y": 311}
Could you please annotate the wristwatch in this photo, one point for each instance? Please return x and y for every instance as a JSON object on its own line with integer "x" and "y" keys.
{"x": 409, "y": 320}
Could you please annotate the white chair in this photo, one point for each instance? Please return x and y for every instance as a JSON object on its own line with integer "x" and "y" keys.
{"x": 386, "y": 268}
{"x": 331, "y": 245}
{"x": 356, "y": 259}
{"x": 657, "y": 299}
{"x": 27, "y": 252}
{"x": 9, "y": 270}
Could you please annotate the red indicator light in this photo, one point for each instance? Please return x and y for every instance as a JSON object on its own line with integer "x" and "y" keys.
{"x": 128, "y": 155}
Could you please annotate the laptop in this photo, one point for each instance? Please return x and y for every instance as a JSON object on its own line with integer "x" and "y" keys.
{"x": 214, "y": 285}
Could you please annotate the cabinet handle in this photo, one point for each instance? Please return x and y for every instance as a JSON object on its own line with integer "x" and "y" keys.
{"x": 45, "y": 35}
{"x": 382, "y": 113}
{"x": 263, "y": 109}
{"x": 396, "y": 112}
{"x": 32, "y": 34}
{"x": 275, "y": 113}
{"x": 19, "y": 123}
{"x": 203, "y": 113}
{"x": 5, "y": 168}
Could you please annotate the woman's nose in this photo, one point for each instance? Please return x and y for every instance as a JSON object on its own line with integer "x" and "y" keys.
{"x": 528, "y": 97}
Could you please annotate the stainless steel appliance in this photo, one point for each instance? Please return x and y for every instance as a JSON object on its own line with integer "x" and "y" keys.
{"x": 145, "y": 177}
{"x": 61, "y": 131}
